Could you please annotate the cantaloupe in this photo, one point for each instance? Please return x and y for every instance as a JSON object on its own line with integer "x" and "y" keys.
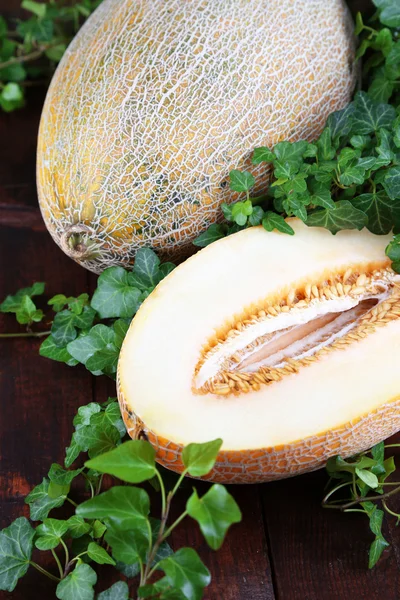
{"x": 155, "y": 101}
{"x": 287, "y": 348}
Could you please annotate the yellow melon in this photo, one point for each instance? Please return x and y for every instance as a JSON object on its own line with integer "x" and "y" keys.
{"x": 156, "y": 101}
{"x": 287, "y": 348}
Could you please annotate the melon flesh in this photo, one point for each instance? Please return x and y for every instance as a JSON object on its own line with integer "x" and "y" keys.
{"x": 155, "y": 101}
{"x": 320, "y": 375}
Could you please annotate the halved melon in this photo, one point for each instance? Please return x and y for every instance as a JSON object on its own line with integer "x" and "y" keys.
{"x": 287, "y": 348}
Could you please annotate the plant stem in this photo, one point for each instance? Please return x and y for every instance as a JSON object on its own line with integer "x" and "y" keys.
{"x": 44, "y": 572}
{"x": 99, "y": 485}
{"x": 359, "y": 500}
{"x": 71, "y": 502}
{"x": 58, "y": 563}
{"x": 25, "y": 57}
{"x": 66, "y": 556}
{"x": 397, "y": 515}
{"x": 162, "y": 488}
{"x": 37, "y": 334}
{"x": 335, "y": 489}
{"x": 174, "y": 524}
{"x": 178, "y": 483}
{"x": 392, "y": 446}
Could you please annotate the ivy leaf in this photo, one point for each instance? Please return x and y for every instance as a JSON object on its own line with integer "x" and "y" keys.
{"x": 99, "y": 555}
{"x": 96, "y": 349}
{"x": 50, "y": 533}
{"x": 13, "y": 303}
{"x": 215, "y": 512}
{"x": 147, "y": 267}
{"x": 273, "y": 221}
{"x": 199, "y": 459}
{"x": 392, "y": 183}
{"x": 78, "y": 584}
{"x": 262, "y": 154}
{"x": 256, "y": 216}
{"x": 11, "y": 97}
{"x": 114, "y": 296}
{"x": 367, "y": 477}
{"x": 98, "y": 529}
{"x": 186, "y": 572}
{"x": 60, "y": 476}
{"x": 378, "y": 208}
{"x": 49, "y": 349}
{"x": 340, "y": 122}
{"x": 241, "y": 181}
{"x": 122, "y": 507}
{"x": 133, "y": 461}
{"x": 322, "y": 198}
{"x": 212, "y": 234}
{"x": 77, "y": 527}
{"x": 160, "y": 589}
{"x": 390, "y": 14}
{"x": 369, "y": 116}
{"x": 97, "y": 439}
{"x": 16, "y": 543}
{"x": 343, "y": 216}
{"x": 118, "y": 591}
{"x": 128, "y": 546}
{"x": 41, "y": 503}
{"x": 241, "y": 210}
{"x": 376, "y": 549}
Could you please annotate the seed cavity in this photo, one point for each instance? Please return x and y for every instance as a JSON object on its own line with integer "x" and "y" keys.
{"x": 282, "y": 335}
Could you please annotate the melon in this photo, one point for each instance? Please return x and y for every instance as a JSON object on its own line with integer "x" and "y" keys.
{"x": 155, "y": 101}
{"x": 287, "y": 348}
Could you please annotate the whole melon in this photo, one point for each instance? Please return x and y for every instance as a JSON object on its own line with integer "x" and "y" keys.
{"x": 155, "y": 101}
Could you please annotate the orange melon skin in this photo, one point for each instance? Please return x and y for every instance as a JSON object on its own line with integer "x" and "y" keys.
{"x": 276, "y": 462}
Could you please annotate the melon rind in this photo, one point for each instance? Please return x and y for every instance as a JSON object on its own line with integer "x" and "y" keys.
{"x": 155, "y": 101}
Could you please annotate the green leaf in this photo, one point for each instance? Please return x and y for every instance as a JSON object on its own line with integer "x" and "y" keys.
{"x": 50, "y": 533}
{"x": 161, "y": 590}
{"x": 60, "y": 476}
{"x": 49, "y": 349}
{"x": 129, "y": 545}
{"x": 212, "y": 234}
{"x": 392, "y": 183}
{"x": 77, "y": 527}
{"x": 147, "y": 266}
{"x": 133, "y": 461}
{"x": 118, "y": 591}
{"x": 97, "y": 439}
{"x": 114, "y": 296}
{"x": 390, "y": 14}
{"x": 98, "y": 529}
{"x": 256, "y": 216}
{"x": 96, "y": 348}
{"x": 56, "y": 52}
{"x": 340, "y": 122}
{"x": 34, "y": 7}
{"x": 199, "y": 459}
{"x": 13, "y": 303}
{"x": 262, "y": 154}
{"x": 3, "y": 27}
{"x": 241, "y": 210}
{"x": 186, "y": 572}
{"x": 130, "y": 571}
{"x": 41, "y": 503}
{"x": 78, "y": 585}
{"x": 378, "y": 208}
{"x": 375, "y": 552}
{"x": 343, "y": 216}
{"x": 99, "y": 555}
{"x": 16, "y": 543}
{"x": 11, "y": 97}
{"x": 370, "y": 116}
{"x": 368, "y": 478}
{"x": 241, "y": 181}
{"x": 215, "y": 512}
{"x": 27, "y": 312}
{"x": 273, "y": 221}
{"x": 322, "y": 198}
{"x": 123, "y": 507}
{"x": 72, "y": 451}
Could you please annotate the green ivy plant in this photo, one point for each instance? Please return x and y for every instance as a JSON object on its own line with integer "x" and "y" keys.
{"x": 114, "y": 526}
{"x": 364, "y": 477}
{"x": 30, "y": 49}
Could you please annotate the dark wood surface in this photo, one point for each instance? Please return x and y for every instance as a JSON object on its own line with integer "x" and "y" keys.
{"x": 287, "y": 547}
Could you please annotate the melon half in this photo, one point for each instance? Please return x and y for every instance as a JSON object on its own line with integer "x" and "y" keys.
{"x": 155, "y": 101}
{"x": 286, "y": 347}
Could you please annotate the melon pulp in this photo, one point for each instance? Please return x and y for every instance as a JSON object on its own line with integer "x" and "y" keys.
{"x": 286, "y": 347}
{"x": 155, "y": 101}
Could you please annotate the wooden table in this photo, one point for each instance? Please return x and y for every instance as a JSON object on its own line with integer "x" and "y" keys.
{"x": 287, "y": 547}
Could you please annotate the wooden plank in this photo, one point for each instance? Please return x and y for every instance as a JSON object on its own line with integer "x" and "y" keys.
{"x": 319, "y": 553}
{"x": 39, "y": 397}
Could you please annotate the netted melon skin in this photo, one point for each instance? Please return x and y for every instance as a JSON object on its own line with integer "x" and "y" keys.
{"x": 279, "y": 462}
{"x": 155, "y": 101}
